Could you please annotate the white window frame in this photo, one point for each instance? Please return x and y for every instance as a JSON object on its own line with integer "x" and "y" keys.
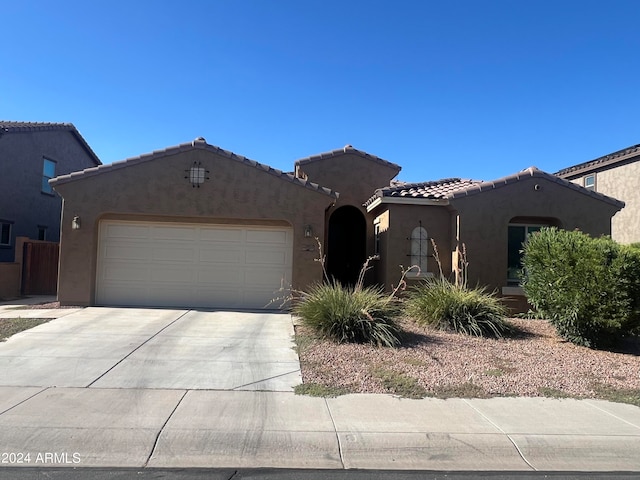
{"x": 589, "y": 185}
{"x": 376, "y": 238}
{"x": 419, "y": 252}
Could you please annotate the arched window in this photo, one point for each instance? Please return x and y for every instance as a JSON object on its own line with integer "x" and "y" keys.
{"x": 419, "y": 249}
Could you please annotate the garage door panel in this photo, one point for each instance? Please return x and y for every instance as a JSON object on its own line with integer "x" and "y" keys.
{"x": 223, "y": 296}
{"x": 222, "y": 255}
{"x": 127, "y": 231}
{"x": 173, "y": 253}
{"x": 196, "y": 265}
{"x": 216, "y": 235}
{"x": 267, "y": 236}
{"x": 174, "y": 233}
{"x": 172, "y": 274}
{"x": 222, "y": 275}
{"x": 126, "y": 252}
{"x": 129, "y": 294}
{"x": 125, "y": 272}
{"x": 268, "y": 278}
{"x": 266, "y": 257}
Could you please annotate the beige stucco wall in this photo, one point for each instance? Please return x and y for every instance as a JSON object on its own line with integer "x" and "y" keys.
{"x": 356, "y": 178}
{"x": 621, "y": 182}
{"x": 156, "y": 190}
{"x": 484, "y": 220}
{"x": 397, "y": 222}
{"x": 10, "y": 280}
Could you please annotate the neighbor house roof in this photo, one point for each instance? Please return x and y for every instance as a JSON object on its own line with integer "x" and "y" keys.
{"x": 21, "y": 127}
{"x": 442, "y": 191}
{"x": 200, "y": 144}
{"x": 601, "y": 162}
{"x": 347, "y": 149}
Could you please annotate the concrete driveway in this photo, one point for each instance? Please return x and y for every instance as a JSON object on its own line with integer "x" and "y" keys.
{"x": 155, "y": 348}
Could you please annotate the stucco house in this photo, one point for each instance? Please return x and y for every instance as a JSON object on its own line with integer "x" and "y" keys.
{"x": 618, "y": 175}
{"x": 197, "y": 226}
{"x": 30, "y": 155}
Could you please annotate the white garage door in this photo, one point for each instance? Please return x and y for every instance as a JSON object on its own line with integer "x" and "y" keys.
{"x": 192, "y": 265}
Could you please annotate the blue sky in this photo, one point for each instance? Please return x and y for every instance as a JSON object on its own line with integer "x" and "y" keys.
{"x": 476, "y": 89}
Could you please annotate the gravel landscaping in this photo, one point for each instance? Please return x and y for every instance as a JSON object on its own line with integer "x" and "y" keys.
{"x": 536, "y": 362}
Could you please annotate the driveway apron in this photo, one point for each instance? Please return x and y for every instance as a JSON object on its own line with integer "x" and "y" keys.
{"x": 155, "y": 348}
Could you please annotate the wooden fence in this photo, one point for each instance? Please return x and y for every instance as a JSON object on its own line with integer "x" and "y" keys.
{"x": 40, "y": 268}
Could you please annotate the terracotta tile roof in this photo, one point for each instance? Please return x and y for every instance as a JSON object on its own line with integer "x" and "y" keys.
{"x": 198, "y": 144}
{"x": 18, "y": 127}
{"x": 347, "y": 149}
{"x": 452, "y": 188}
{"x": 434, "y": 190}
{"x": 605, "y": 161}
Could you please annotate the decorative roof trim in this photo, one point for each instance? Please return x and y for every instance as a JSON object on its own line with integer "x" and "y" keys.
{"x": 350, "y": 150}
{"x": 373, "y": 202}
{"x": 601, "y": 162}
{"x": 531, "y": 172}
{"x": 197, "y": 144}
{"x": 27, "y": 127}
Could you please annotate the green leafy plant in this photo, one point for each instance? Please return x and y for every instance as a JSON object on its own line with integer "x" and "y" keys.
{"x": 346, "y": 313}
{"x": 349, "y": 314}
{"x": 589, "y": 288}
{"x": 444, "y": 305}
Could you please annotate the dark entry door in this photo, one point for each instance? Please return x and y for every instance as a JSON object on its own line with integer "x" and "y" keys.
{"x": 346, "y": 251}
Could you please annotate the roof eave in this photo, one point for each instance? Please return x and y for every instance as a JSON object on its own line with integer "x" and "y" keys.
{"x": 406, "y": 201}
{"x": 347, "y": 150}
{"x": 533, "y": 172}
{"x": 601, "y": 162}
{"x": 90, "y": 172}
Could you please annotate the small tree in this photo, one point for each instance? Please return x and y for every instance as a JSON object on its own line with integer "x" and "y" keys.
{"x": 588, "y": 287}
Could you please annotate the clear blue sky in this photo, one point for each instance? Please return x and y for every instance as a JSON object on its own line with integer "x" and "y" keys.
{"x": 477, "y": 88}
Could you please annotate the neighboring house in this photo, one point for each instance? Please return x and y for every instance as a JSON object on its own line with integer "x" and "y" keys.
{"x": 617, "y": 175}
{"x": 198, "y": 226}
{"x": 30, "y": 155}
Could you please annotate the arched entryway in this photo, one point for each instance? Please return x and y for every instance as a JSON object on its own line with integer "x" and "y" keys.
{"x": 346, "y": 250}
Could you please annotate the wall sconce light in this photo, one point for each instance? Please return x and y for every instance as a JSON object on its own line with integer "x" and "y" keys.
{"x": 308, "y": 231}
{"x": 75, "y": 223}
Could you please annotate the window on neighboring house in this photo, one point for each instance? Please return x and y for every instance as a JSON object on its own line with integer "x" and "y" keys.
{"x": 5, "y": 234}
{"x": 376, "y": 239}
{"x": 590, "y": 182}
{"x": 518, "y": 235}
{"x": 419, "y": 249}
{"x": 42, "y": 232}
{"x": 48, "y": 172}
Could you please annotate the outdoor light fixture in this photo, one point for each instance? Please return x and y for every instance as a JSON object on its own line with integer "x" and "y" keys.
{"x": 308, "y": 231}
{"x": 197, "y": 174}
{"x": 75, "y": 223}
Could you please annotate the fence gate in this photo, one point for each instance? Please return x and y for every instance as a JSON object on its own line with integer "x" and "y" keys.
{"x": 40, "y": 268}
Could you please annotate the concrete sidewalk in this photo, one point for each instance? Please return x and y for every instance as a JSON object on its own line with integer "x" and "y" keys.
{"x": 189, "y": 423}
{"x": 201, "y": 428}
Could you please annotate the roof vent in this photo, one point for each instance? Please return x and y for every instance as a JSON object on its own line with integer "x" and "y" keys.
{"x": 348, "y": 147}
{"x": 200, "y": 140}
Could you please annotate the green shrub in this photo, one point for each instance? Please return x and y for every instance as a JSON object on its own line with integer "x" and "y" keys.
{"x": 446, "y": 306}
{"x": 348, "y": 314}
{"x": 589, "y": 288}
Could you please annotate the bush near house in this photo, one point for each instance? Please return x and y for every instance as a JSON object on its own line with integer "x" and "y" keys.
{"x": 589, "y": 288}
{"x": 349, "y": 314}
{"x": 438, "y": 303}
{"x": 456, "y": 307}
